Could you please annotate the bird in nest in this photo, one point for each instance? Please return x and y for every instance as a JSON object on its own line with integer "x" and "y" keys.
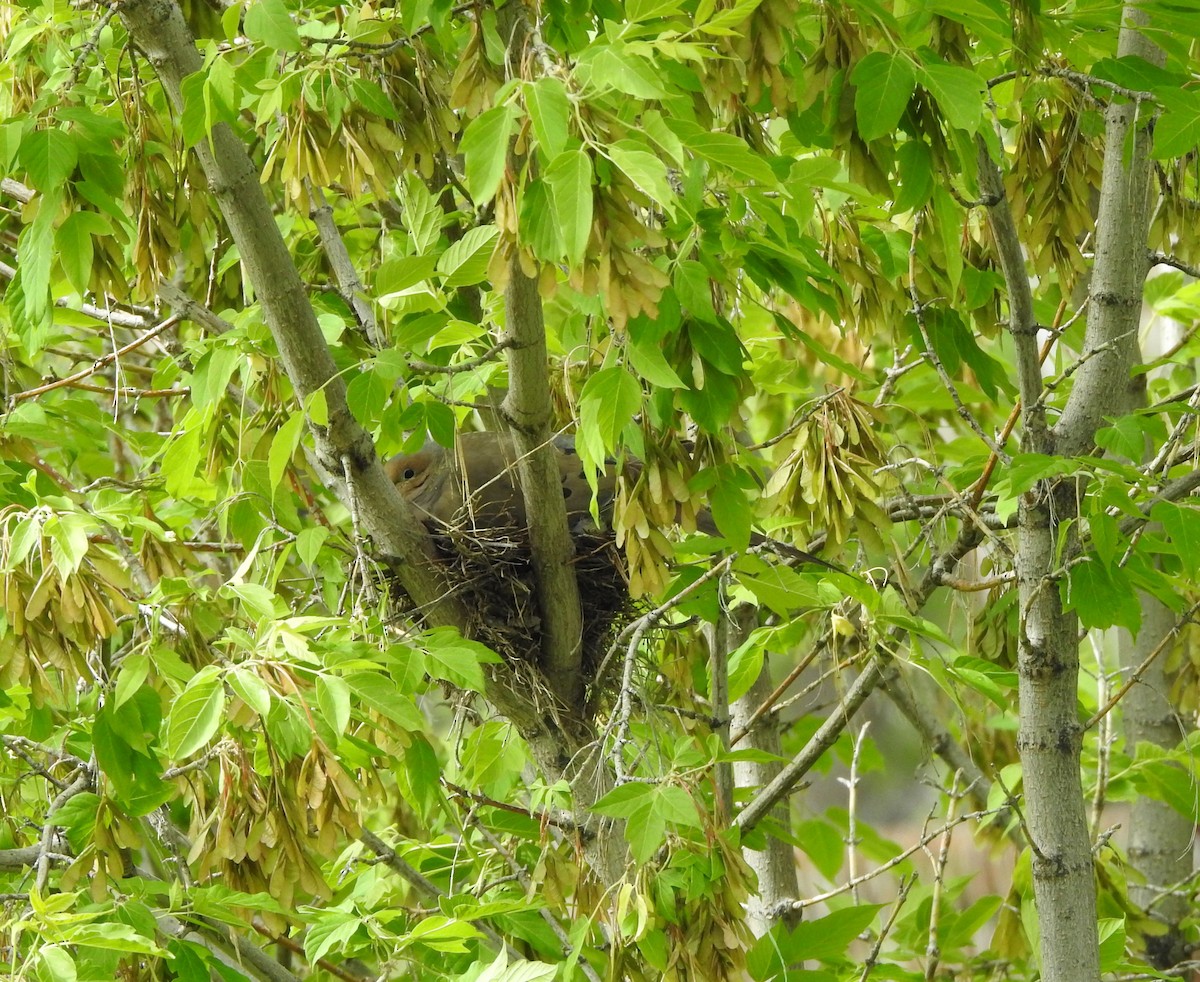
{"x": 479, "y": 486}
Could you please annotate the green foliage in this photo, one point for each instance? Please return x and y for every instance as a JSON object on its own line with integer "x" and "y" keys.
{"x": 772, "y": 304}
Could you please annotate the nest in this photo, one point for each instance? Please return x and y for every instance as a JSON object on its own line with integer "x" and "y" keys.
{"x": 492, "y": 575}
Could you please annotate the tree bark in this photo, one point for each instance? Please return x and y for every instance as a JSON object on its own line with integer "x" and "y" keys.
{"x": 1160, "y": 838}
{"x": 775, "y": 865}
{"x": 528, "y": 412}
{"x": 158, "y": 29}
{"x": 1050, "y": 734}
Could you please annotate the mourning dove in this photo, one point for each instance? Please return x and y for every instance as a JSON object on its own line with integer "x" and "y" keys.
{"x": 487, "y": 492}
{"x": 489, "y": 497}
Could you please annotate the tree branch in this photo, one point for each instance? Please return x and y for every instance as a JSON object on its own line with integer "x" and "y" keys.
{"x": 157, "y": 27}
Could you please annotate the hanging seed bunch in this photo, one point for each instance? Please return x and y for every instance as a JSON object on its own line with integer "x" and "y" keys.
{"x": 828, "y": 476}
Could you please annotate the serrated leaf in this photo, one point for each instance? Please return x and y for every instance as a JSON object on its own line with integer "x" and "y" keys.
{"x": 397, "y": 275}
{"x": 550, "y": 113}
{"x": 1182, "y": 526}
{"x": 609, "y": 400}
{"x": 958, "y": 92}
{"x": 649, "y": 362}
{"x": 49, "y": 157}
{"x": 484, "y": 146}
{"x": 456, "y": 664}
{"x": 1177, "y": 130}
{"x": 647, "y": 172}
{"x": 269, "y": 22}
{"x": 283, "y": 448}
{"x": 466, "y": 261}
{"x": 251, "y": 689}
{"x": 382, "y": 695}
{"x": 569, "y": 178}
{"x": 883, "y": 85}
{"x": 724, "y": 150}
{"x": 196, "y": 715}
{"x": 628, "y": 72}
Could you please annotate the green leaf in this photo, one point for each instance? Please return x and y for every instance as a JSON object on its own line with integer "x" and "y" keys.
{"x": 1182, "y": 526}
{"x": 258, "y": 600}
{"x": 824, "y": 844}
{"x": 329, "y": 928}
{"x": 397, "y": 275}
{"x": 180, "y": 463}
{"x": 569, "y": 178}
{"x": 74, "y": 243}
{"x": 1102, "y": 597}
{"x": 423, "y": 216}
{"x": 883, "y": 85}
{"x": 196, "y": 715}
{"x": 466, "y": 261}
{"x": 647, "y": 171}
{"x": 132, "y": 674}
{"x": 915, "y": 163}
{"x": 333, "y": 698}
{"x": 625, "y": 71}
{"x": 49, "y": 157}
{"x": 68, "y": 534}
{"x": 269, "y": 22}
{"x": 309, "y": 542}
{"x": 648, "y": 361}
{"x": 283, "y": 448}
{"x": 251, "y": 689}
{"x": 726, "y": 152}
{"x": 550, "y": 113}
{"x": 745, "y": 666}
{"x": 484, "y": 147}
{"x": 647, "y": 809}
{"x": 36, "y": 250}
{"x": 55, "y": 964}
{"x": 455, "y": 663}
{"x": 949, "y": 226}
{"x": 1177, "y": 130}
{"x": 958, "y": 92}
{"x": 609, "y": 400}
{"x": 828, "y": 938}
{"x": 731, "y": 510}
{"x": 539, "y": 223}
{"x": 382, "y": 695}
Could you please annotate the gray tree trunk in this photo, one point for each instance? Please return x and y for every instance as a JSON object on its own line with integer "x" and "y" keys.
{"x": 775, "y": 865}
{"x": 1160, "y": 838}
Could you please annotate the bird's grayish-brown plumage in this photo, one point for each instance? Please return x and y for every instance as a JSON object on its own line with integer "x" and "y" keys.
{"x": 480, "y": 483}
{"x": 478, "y": 486}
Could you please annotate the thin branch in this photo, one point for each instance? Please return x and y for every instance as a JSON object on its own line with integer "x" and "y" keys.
{"x": 892, "y": 863}
{"x": 392, "y": 860}
{"x": 83, "y": 781}
{"x": 869, "y": 963}
{"x": 100, "y": 362}
{"x": 1146, "y": 662}
{"x": 334, "y": 246}
{"x": 804, "y": 416}
{"x": 1167, "y": 259}
{"x": 1021, "y": 322}
{"x": 119, "y": 318}
{"x": 824, "y": 738}
{"x": 564, "y": 822}
{"x": 931, "y": 355}
{"x": 428, "y": 368}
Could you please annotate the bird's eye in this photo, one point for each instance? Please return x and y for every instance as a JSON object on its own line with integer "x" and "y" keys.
{"x": 408, "y": 474}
